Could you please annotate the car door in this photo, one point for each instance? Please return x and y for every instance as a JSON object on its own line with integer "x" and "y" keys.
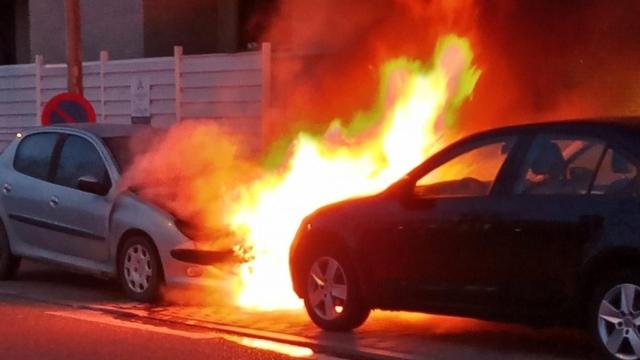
{"x": 443, "y": 223}
{"x": 26, "y": 191}
{"x": 80, "y": 217}
{"x": 542, "y": 229}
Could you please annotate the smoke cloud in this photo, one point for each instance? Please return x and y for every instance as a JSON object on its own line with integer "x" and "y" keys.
{"x": 194, "y": 171}
{"x": 541, "y": 60}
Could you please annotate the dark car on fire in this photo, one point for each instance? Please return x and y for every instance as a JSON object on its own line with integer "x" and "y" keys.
{"x": 537, "y": 224}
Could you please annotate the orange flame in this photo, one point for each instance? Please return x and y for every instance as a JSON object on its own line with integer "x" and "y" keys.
{"x": 417, "y": 103}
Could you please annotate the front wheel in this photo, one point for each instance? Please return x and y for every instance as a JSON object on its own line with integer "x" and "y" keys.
{"x": 140, "y": 269}
{"x": 332, "y": 297}
{"x": 615, "y": 315}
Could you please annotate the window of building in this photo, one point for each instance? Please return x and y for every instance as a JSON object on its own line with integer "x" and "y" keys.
{"x": 7, "y": 32}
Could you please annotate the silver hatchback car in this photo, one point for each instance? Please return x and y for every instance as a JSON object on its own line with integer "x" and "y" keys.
{"x": 60, "y": 204}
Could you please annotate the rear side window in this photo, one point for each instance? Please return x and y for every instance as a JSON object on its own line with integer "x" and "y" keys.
{"x": 618, "y": 175}
{"x": 33, "y": 155}
{"x": 558, "y": 164}
{"x": 79, "y": 158}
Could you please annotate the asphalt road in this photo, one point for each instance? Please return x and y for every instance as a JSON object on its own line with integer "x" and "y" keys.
{"x": 31, "y": 330}
{"x": 49, "y": 313}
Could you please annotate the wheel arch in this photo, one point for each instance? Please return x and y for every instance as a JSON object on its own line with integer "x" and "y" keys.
{"x": 607, "y": 262}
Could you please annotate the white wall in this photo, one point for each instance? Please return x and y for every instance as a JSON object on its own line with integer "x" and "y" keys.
{"x": 232, "y": 89}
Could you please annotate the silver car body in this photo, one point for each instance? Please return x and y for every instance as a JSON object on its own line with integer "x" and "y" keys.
{"x": 81, "y": 230}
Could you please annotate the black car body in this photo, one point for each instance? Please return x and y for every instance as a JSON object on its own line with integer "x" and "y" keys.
{"x": 528, "y": 226}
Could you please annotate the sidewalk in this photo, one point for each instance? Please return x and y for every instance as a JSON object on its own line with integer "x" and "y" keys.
{"x": 390, "y": 334}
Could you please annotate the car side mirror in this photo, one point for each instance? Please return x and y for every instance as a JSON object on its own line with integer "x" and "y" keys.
{"x": 92, "y": 185}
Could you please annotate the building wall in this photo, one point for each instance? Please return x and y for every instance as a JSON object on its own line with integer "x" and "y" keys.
{"x": 128, "y": 28}
{"x": 46, "y": 19}
{"x": 112, "y": 25}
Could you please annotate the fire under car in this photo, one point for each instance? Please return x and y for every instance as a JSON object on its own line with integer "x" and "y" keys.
{"x": 538, "y": 224}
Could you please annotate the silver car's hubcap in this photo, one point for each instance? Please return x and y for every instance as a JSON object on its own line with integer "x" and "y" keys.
{"x": 327, "y": 288}
{"x": 619, "y": 320}
{"x": 137, "y": 268}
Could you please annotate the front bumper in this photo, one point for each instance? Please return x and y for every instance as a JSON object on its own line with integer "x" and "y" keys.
{"x": 205, "y": 257}
{"x": 185, "y": 265}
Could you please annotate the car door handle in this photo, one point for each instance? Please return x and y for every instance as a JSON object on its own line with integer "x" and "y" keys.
{"x": 6, "y": 188}
{"x": 54, "y": 201}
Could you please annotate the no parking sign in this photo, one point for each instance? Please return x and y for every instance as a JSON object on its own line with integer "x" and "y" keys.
{"x": 68, "y": 108}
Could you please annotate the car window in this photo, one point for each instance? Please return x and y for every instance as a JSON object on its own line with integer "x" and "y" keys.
{"x": 79, "y": 158}
{"x": 33, "y": 156}
{"x": 471, "y": 173}
{"x": 559, "y": 165}
{"x": 617, "y": 175}
{"x": 121, "y": 151}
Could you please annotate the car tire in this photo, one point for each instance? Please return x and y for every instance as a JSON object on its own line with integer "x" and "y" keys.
{"x": 140, "y": 269}
{"x": 614, "y": 315}
{"x": 334, "y": 303}
{"x": 9, "y": 263}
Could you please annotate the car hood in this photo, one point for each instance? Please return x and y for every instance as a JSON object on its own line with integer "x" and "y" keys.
{"x": 343, "y": 210}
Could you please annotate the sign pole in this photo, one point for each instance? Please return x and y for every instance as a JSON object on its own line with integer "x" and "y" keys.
{"x": 74, "y": 52}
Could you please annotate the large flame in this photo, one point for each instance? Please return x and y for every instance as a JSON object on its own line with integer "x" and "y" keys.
{"x": 417, "y": 103}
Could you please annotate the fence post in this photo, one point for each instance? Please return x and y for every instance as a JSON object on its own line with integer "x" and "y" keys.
{"x": 104, "y": 57}
{"x": 39, "y": 63}
{"x": 177, "y": 56}
{"x": 266, "y": 92}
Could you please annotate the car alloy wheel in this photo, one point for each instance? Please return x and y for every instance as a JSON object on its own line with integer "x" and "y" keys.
{"x": 619, "y": 321}
{"x": 140, "y": 269}
{"x": 332, "y": 294}
{"x": 327, "y": 288}
{"x": 137, "y": 268}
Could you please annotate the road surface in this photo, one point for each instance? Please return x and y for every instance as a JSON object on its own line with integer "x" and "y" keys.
{"x": 48, "y": 311}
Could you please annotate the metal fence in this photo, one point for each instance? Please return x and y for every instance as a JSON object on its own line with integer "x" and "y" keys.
{"x": 231, "y": 89}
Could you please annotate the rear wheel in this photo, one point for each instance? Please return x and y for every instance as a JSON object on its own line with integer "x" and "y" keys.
{"x": 140, "y": 269}
{"x": 332, "y": 297}
{"x": 614, "y": 315}
{"x": 9, "y": 263}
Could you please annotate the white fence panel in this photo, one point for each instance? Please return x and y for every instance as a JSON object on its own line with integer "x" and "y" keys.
{"x": 229, "y": 89}
{"x": 17, "y": 100}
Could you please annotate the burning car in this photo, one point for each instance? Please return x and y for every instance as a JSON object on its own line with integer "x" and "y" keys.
{"x": 60, "y": 204}
{"x": 532, "y": 223}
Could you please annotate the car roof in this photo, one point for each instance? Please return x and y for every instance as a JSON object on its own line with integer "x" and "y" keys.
{"x": 631, "y": 123}
{"x": 103, "y": 130}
